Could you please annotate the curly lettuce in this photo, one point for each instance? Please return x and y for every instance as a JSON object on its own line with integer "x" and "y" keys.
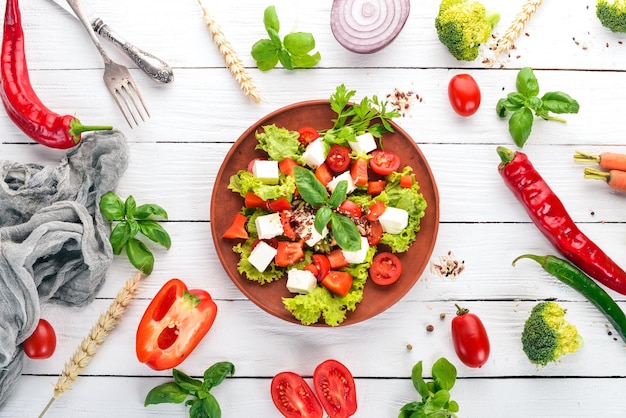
{"x": 243, "y": 182}
{"x": 280, "y": 143}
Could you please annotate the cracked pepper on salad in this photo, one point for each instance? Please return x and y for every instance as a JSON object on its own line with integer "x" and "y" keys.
{"x": 328, "y": 209}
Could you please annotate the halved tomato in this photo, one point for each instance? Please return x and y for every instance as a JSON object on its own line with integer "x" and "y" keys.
{"x": 293, "y": 396}
{"x": 338, "y": 282}
{"x": 335, "y": 388}
{"x": 384, "y": 162}
{"x": 376, "y": 187}
{"x": 336, "y": 259}
{"x": 386, "y": 268}
{"x": 375, "y": 210}
{"x": 373, "y": 232}
{"x": 322, "y": 265}
{"x": 358, "y": 170}
{"x": 338, "y": 158}
{"x": 289, "y": 253}
{"x": 286, "y": 166}
{"x": 351, "y": 209}
{"x": 323, "y": 174}
{"x": 307, "y": 134}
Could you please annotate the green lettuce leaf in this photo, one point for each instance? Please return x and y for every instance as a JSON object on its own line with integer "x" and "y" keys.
{"x": 243, "y": 182}
{"x": 280, "y": 143}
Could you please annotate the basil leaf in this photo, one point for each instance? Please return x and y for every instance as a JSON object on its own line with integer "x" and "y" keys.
{"x": 206, "y": 407}
{"x": 535, "y": 103}
{"x": 264, "y": 50}
{"x": 270, "y": 19}
{"x": 140, "y": 256}
{"x": 527, "y": 83}
{"x": 305, "y": 61}
{"x": 311, "y": 189}
{"x": 133, "y": 226}
{"x": 285, "y": 59}
{"x": 130, "y": 206}
{"x": 440, "y": 399}
{"x": 186, "y": 382}
{"x": 155, "y": 232}
{"x": 339, "y": 194}
{"x": 322, "y": 217}
{"x": 275, "y": 38}
{"x": 267, "y": 64}
{"x": 559, "y": 102}
{"x": 516, "y": 99}
{"x": 502, "y": 107}
{"x": 299, "y": 43}
{"x": 150, "y": 211}
{"x": 444, "y": 374}
{"x": 112, "y": 207}
{"x": 418, "y": 380}
{"x": 216, "y": 374}
{"x": 520, "y": 125}
{"x": 119, "y": 237}
{"x": 345, "y": 232}
{"x": 166, "y": 393}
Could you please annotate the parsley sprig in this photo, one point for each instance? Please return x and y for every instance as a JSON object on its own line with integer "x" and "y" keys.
{"x": 202, "y": 403}
{"x": 370, "y": 114}
{"x": 435, "y": 394}
{"x": 131, "y": 220}
{"x": 293, "y": 51}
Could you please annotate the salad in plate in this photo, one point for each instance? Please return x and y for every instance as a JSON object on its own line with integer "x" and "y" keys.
{"x": 327, "y": 210}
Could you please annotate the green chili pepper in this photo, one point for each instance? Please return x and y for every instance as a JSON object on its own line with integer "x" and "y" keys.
{"x": 572, "y": 276}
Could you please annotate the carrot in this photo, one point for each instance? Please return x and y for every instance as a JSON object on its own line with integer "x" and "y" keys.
{"x": 607, "y": 160}
{"x": 616, "y": 179}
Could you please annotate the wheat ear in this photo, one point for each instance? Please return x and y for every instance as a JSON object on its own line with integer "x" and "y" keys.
{"x": 505, "y": 43}
{"x": 87, "y": 348}
{"x": 229, "y": 55}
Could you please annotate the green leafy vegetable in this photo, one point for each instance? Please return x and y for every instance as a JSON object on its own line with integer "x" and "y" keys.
{"x": 204, "y": 404}
{"x": 525, "y": 101}
{"x": 131, "y": 220}
{"x": 314, "y": 193}
{"x": 355, "y": 118}
{"x": 292, "y": 52}
{"x": 435, "y": 394}
{"x": 279, "y": 143}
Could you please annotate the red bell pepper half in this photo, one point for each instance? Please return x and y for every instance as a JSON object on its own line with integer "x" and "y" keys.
{"x": 174, "y": 323}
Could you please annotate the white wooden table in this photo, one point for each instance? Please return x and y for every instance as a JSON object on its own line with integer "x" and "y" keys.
{"x": 175, "y": 156}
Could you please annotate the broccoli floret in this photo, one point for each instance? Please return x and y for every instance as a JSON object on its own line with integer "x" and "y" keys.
{"x": 612, "y": 14}
{"x": 462, "y": 25}
{"x": 547, "y": 336}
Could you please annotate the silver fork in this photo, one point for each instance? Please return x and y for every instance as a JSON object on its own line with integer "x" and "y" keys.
{"x": 116, "y": 76}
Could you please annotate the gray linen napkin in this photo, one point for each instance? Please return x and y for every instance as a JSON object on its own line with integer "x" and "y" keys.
{"x": 54, "y": 243}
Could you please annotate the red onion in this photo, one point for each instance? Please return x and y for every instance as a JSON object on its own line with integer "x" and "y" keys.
{"x": 366, "y": 26}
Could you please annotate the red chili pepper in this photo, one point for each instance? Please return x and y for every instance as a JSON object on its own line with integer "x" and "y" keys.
{"x": 173, "y": 325}
{"x": 21, "y": 102}
{"x": 549, "y": 215}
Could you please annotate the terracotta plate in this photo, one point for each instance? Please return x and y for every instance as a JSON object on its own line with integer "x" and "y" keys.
{"x": 225, "y": 203}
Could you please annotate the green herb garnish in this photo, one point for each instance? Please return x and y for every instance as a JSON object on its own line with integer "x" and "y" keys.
{"x": 435, "y": 394}
{"x": 525, "y": 101}
{"x": 293, "y": 51}
{"x": 131, "y": 220}
{"x": 314, "y": 193}
{"x": 204, "y": 404}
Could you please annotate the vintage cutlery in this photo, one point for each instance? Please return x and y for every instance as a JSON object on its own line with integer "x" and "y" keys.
{"x": 151, "y": 65}
{"x": 117, "y": 78}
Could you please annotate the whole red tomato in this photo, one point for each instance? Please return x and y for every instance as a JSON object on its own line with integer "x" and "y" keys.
{"x": 470, "y": 339}
{"x": 464, "y": 94}
{"x": 42, "y": 342}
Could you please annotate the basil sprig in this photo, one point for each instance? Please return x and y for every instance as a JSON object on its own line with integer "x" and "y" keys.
{"x": 293, "y": 51}
{"x": 203, "y": 404}
{"x": 525, "y": 101}
{"x": 314, "y": 193}
{"x": 435, "y": 394}
{"x": 132, "y": 220}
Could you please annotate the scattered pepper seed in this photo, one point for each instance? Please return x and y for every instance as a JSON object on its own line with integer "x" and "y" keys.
{"x": 442, "y": 315}
{"x": 430, "y": 328}
{"x": 409, "y": 347}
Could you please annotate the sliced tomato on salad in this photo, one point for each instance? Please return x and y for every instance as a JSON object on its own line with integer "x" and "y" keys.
{"x": 375, "y": 210}
{"x": 289, "y": 253}
{"x": 252, "y": 201}
{"x": 286, "y": 166}
{"x": 350, "y": 208}
{"x": 338, "y": 158}
{"x": 376, "y": 187}
{"x": 338, "y": 282}
{"x": 358, "y": 170}
{"x": 323, "y": 174}
{"x": 335, "y": 388}
{"x": 373, "y": 232}
{"x": 337, "y": 259}
{"x": 293, "y": 397}
{"x": 276, "y": 205}
{"x": 384, "y": 162}
{"x": 386, "y": 268}
{"x": 307, "y": 134}
{"x": 238, "y": 228}
{"x": 322, "y": 264}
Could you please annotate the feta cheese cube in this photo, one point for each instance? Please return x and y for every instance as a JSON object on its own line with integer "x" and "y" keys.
{"x": 266, "y": 171}
{"x": 268, "y": 226}
{"x": 316, "y": 236}
{"x": 315, "y": 153}
{"x": 394, "y": 220}
{"x": 364, "y": 143}
{"x": 262, "y": 255}
{"x": 343, "y": 176}
{"x": 356, "y": 257}
{"x": 300, "y": 281}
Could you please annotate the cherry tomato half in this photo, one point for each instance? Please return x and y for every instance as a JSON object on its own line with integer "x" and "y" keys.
{"x": 464, "y": 94}
{"x": 42, "y": 342}
{"x": 384, "y": 162}
{"x": 386, "y": 268}
{"x": 470, "y": 339}
{"x": 335, "y": 389}
{"x": 338, "y": 282}
{"x": 338, "y": 158}
{"x": 322, "y": 265}
{"x": 350, "y": 208}
{"x": 307, "y": 134}
{"x": 293, "y": 397}
{"x": 288, "y": 253}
